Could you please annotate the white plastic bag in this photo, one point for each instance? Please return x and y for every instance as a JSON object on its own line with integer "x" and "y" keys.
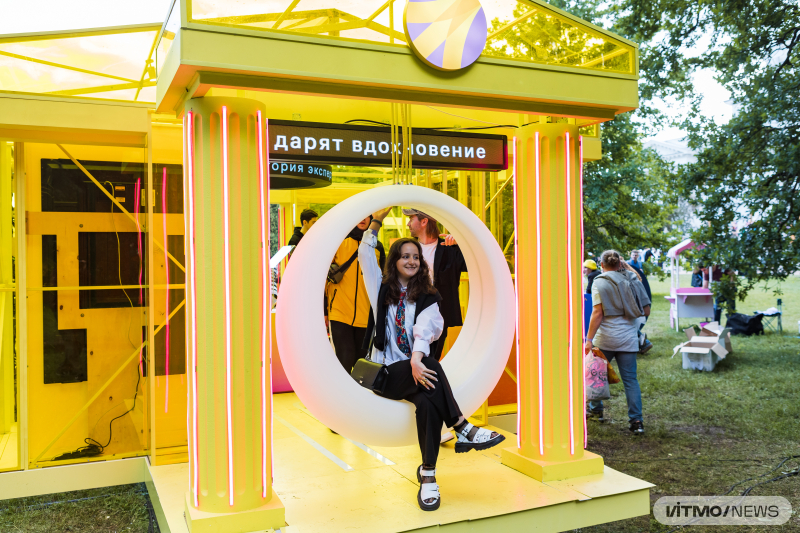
{"x": 595, "y": 372}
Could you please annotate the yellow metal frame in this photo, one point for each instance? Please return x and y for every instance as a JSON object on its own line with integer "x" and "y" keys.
{"x": 9, "y": 400}
{"x": 92, "y": 32}
{"x": 332, "y": 21}
{"x": 114, "y": 200}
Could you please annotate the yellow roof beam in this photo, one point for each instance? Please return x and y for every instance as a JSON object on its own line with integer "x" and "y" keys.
{"x": 386, "y": 31}
{"x": 285, "y": 14}
{"x": 335, "y": 26}
{"x": 602, "y": 58}
{"x": 147, "y": 64}
{"x": 67, "y": 67}
{"x": 511, "y": 24}
{"x": 67, "y": 34}
{"x": 104, "y": 88}
{"x": 380, "y": 10}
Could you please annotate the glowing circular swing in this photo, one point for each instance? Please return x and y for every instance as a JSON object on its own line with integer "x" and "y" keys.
{"x": 474, "y": 364}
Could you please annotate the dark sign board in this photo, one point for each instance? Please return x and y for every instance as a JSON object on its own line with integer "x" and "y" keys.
{"x": 347, "y": 144}
{"x": 293, "y": 175}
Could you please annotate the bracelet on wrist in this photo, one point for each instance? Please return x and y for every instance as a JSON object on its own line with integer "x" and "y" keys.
{"x": 380, "y": 224}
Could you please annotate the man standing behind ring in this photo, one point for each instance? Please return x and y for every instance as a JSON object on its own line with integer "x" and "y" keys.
{"x": 447, "y": 264}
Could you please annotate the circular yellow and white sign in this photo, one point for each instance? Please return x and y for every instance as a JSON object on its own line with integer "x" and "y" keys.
{"x": 446, "y": 34}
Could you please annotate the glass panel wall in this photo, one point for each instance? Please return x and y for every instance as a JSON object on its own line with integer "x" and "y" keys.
{"x": 9, "y": 381}
{"x": 168, "y": 306}
{"x": 86, "y": 303}
{"x": 168, "y": 33}
{"x": 538, "y": 34}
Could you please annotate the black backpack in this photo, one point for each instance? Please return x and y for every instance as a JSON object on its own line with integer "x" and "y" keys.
{"x": 745, "y": 325}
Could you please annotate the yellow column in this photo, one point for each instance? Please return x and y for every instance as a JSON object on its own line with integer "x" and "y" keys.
{"x": 7, "y": 403}
{"x": 228, "y": 334}
{"x": 547, "y": 193}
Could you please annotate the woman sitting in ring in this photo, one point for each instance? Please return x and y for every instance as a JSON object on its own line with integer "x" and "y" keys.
{"x": 408, "y": 322}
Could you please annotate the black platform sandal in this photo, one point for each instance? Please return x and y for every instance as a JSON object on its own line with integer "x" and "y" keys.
{"x": 427, "y": 491}
{"x": 473, "y": 438}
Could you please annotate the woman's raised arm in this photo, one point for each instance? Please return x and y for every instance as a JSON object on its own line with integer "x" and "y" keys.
{"x": 369, "y": 263}
{"x": 369, "y": 267}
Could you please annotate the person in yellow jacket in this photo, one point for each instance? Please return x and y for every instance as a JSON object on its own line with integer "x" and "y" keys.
{"x": 347, "y": 302}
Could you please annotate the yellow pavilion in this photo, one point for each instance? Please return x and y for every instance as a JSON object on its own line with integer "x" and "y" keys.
{"x": 110, "y": 315}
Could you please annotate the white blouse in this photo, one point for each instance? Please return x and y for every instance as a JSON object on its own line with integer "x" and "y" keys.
{"x": 429, "y": 323}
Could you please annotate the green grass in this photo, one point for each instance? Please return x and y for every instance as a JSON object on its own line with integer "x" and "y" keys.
{"x": 706, "y": 431}
{"x": 120, "y": 509}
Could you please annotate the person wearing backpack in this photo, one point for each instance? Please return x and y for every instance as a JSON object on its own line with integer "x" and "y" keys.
{"x": 347, "y": 302}
{"x": 618, "y": 300}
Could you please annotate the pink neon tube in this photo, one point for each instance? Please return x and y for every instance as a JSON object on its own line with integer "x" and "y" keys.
{"x": 193, "y": 310}
{"x": 570, "y": 322}
{"x": 137, "y": 194}
{"x": 539, "y": 293}
{"x": 166, "y": 272}
{"x": 227, "y": 263}
{"x": 264, "y": 310}
{"x": 269, "y": 299}
{"x": 516, "y": 284}
{"x": 583, "y": 311}
{"x": 187, "y": 327}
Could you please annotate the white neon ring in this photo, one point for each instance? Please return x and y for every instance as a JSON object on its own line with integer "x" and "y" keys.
{"x": 474, "y": 364}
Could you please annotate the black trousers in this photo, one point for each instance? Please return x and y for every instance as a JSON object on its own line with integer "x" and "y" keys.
{"x": 347, "y": 341}
{"x": 434, "y": 407}
{"x": 440, "y": 344}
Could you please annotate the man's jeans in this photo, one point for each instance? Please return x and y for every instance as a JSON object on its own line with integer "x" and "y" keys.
{"x": 719, "y": 305}
{"x": 626, "y": 363}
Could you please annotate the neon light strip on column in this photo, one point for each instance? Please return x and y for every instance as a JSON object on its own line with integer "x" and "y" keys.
{"x": 264, "y": 315}
{"x": 516, "y": 282}
{"x": 166, "y": 272}
{"x": 227, "y": 264}
{"x": 583, "y": 254}
{"x": 187, "y": 292}
{"x": 537, "y": 158}
{"x": 269, "y": 298}
{"x": 570, "y": 346}
{"x": 192, "y": 273}
{"x": 136, "y": 196}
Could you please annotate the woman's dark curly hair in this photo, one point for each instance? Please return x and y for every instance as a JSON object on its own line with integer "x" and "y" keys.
{"x": 417, "y": 285}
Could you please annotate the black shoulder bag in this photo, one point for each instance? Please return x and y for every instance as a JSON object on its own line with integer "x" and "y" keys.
{"x": 336, "y": 272}
{"x": 369, "y": 374}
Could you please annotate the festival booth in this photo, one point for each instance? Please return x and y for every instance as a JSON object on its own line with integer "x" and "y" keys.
{"x": 149, "y": 173}
{"x": 686, "y": 302}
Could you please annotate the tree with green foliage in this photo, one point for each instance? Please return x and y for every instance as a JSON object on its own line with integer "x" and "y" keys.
{"x": 629, "y": 197}
{"x": 746, "y": 180}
